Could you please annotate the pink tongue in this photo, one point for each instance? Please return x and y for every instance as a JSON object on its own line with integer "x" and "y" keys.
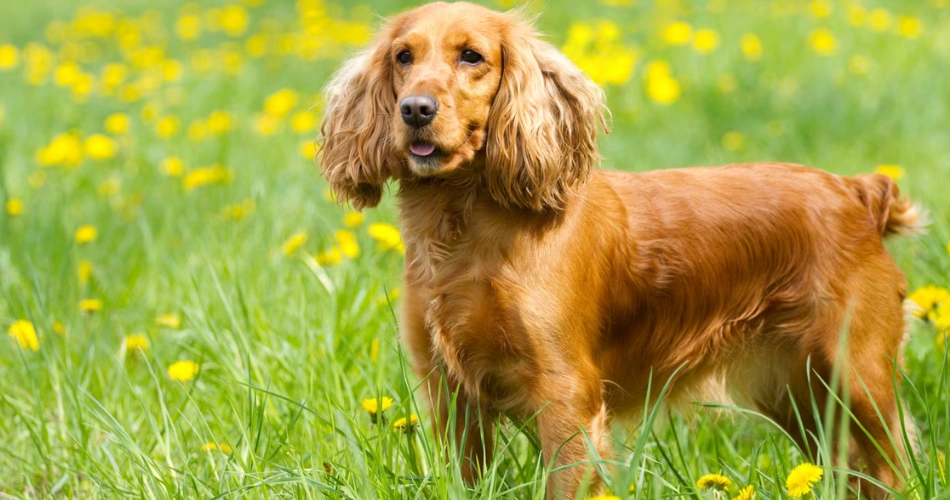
{"x": 422, "y": 149}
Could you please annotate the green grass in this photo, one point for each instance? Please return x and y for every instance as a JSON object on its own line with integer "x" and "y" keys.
{"x": 286, "y": 347}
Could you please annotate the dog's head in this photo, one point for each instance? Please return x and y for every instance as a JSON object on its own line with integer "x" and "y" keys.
{"x": 458, "y": 89}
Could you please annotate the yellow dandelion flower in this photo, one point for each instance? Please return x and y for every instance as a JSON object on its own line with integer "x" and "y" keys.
{"x": 266, "y": 125}
{"x": 219, "y": 122}
{"x": 374, "y": 406}
{"x": 308, "y": 149}
{"x": 387, "y": 235}
{"x": 928, "y": 298}
{"x": 136, "y": 343}
{"x": 802, "y": 478}
{"x": 90, "y": 305}
{"x": 233, "y": 20}
{"x": 99, "y": 147}
{"x": 173, "y": 166}
{"x": 25, "y": 335}
{"x": 751, "y": 46}
{"x": 172, "y": 70}
{"x": 579, "y": 36}
{"x": 256, "y": 45}
{"x": 188, "y": 27}
{"x": 353, "y": 219}
{"x": 280, "y": 103}
{"x": 857, "y": 15}
{"x": 14, "y": 207}
{"x": 199, "y": 177}
{"x": 167, "y": 126}
{"x": 941, "y": 318}
{"x": 747, "y": 493}
{"x": 880, "y": 19}
{"x": 82, "y": 87}
{"x": 149, "y": 113}
{"x": 130, "y": 92}
{"x": 347, "y": 241}
{"x": 9, "y": 57}
{"x": 183, "y": 371}
{"x": 893, "y": 171}
{"x": 84, "y": 271}
{"x": 117, "y": 124}
{"x": 64, "y": 149}
{"x": 663, "y": 89}
{"x": 948, "y": 247}
{"x": 406, "y": 425}
{"x": 303, "y": 122}
{"x": 677, "y": 33}
{"x": 909, "y": 27}
{"x": 821, "y": 8}
{"x": 330, "y": 257}
{"x": 733, "y": 141}
{"x": 239, "y": 211}
{"x": 86, "y": 234}
{"x": 823, "y": 42}
{"x": 59, "y": 328}
{"x": 66, "y": 74}
{"x": 294, "y": 242}
{"x": 113, "y": 74}
{"x": 705, "y": 40}
{"x": 233, "y": 61}
{"x": 374, "y": 350}
{"x": 212, "y": 446}
{"x": 713, "y": 482}
{"x": 169, "y": 320}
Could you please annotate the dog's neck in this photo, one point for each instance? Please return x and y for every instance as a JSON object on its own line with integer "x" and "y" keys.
{"x": 447, "y": 221}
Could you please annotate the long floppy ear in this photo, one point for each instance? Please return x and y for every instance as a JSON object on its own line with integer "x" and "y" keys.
{"x": 356, "y": 150}
{"x": 542, "y": 127}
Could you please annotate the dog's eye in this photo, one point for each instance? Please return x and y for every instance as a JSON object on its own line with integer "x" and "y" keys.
{"x": 404, "y": 58}
{"x": 471, "y": 57}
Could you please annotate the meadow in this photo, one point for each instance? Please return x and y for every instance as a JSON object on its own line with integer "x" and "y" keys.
{"x": 189, "y": 314}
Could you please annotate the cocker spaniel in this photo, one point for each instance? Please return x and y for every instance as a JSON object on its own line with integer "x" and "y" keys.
{"x": 536, "y": 284}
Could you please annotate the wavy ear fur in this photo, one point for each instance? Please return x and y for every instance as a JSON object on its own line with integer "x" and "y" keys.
{"x": 355, "y": 150}
{"x": 542, "y": 127}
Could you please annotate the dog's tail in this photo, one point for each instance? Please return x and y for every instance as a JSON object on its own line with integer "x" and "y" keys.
{"x": 890, "y": 213}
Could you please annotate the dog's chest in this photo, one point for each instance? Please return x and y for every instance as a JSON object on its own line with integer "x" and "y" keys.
{"x": 479, "y": 345}
{"x": 474, "y": 327}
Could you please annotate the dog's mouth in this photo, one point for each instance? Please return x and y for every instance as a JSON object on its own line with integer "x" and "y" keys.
{"x": 427, "y": 157}
{"x": 422, "y": 149}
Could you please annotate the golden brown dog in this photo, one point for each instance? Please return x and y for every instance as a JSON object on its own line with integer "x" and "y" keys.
{"x": 536, "y": 284}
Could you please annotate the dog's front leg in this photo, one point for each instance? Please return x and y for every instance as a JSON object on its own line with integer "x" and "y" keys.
{"x": 564, "y": 444}
{"x": 462, "y": 424}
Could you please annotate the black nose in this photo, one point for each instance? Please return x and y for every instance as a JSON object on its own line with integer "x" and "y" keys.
{"x": 418, "y": 110}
